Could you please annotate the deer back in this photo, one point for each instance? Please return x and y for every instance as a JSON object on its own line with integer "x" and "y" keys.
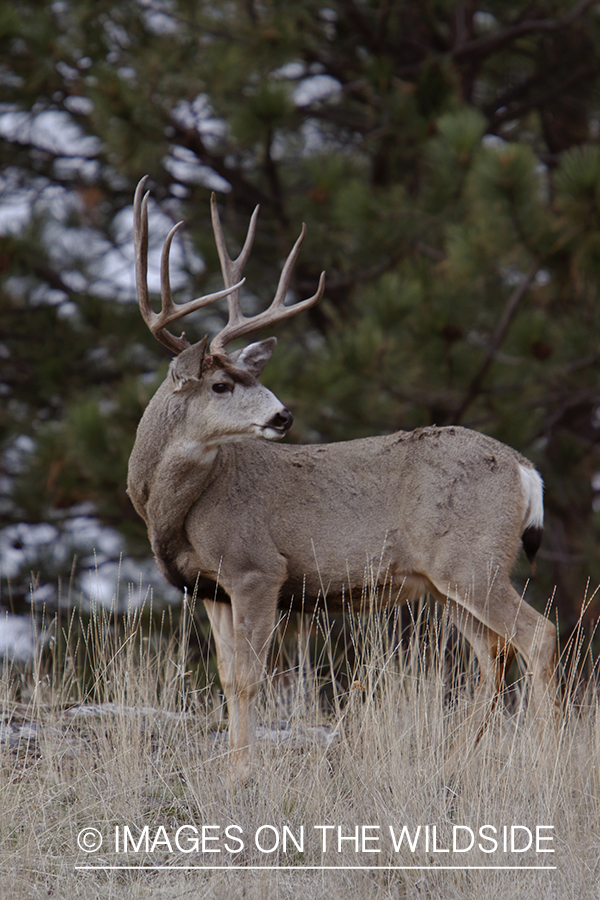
{"x": 390, "y": 508}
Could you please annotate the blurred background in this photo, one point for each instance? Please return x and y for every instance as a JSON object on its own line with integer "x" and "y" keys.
{"x": 445, "y": 157}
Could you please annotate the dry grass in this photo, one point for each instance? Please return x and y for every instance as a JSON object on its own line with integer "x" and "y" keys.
{"x": 141, "y": 745}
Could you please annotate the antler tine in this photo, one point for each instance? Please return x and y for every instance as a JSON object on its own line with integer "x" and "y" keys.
{"x": 140, "y": 242}
{"x": 239, "y": 324}
{"x": 170, "y": 311}
{"x": 231, "y": 268}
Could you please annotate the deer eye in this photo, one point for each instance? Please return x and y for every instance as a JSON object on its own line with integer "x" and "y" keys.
{"x": 221, "y": 387}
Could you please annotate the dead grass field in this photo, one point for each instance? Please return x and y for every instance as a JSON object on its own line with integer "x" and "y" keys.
{"x": 138, "y": 753}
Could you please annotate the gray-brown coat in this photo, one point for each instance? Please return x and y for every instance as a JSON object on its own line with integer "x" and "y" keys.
{"x": 438, "y": 510}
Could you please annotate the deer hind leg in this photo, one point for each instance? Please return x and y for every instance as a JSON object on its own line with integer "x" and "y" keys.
{"x": 494, "y": 656}
{"x": 534, "y": 637}
{"x": 506, "y": 614}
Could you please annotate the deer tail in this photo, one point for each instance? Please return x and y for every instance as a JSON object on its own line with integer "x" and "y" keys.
{"x": 533, "y": 523}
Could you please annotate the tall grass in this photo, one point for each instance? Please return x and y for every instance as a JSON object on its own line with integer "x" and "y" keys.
{"x": 112, "y": 726}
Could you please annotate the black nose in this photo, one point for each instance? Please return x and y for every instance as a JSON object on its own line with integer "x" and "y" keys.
{"x": 283, "y": 419}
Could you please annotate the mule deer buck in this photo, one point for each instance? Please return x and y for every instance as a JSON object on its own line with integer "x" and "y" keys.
{"x": 441, "y": 510}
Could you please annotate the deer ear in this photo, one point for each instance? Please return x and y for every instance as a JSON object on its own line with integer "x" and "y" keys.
{"x": 187, "y": 366}
{"x": 254, "y": 357}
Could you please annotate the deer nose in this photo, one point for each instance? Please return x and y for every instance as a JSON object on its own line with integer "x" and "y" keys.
{"x": 283, "y": 419}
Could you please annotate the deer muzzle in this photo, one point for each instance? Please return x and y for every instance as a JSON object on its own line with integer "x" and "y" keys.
{"x": 281, "y": 421}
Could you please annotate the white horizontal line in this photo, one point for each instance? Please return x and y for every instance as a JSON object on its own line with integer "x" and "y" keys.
{"x": 315, "y": 868}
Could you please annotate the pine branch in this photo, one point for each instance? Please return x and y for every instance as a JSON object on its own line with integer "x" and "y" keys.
{"x": 484, "y": 46}
{"x": 497, "y": 118}
{"x": 490, "y": 43}
{"x": 507, "y": 317}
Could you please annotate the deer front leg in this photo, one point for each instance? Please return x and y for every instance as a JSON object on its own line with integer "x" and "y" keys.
{"x": 221, "y": 620}
{"x": 254, "y": 606}
{"x": 242, "y": 636}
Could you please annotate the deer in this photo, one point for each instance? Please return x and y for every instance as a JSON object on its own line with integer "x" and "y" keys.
{"x": 255, "y": 526}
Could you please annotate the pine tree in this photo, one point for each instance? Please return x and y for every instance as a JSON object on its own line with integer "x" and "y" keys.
{"x": 444, "y": 157}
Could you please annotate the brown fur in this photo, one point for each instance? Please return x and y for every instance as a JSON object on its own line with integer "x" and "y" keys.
{"x": 438, "y": 510}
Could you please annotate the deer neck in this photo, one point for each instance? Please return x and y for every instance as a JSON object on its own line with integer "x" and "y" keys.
{"x": 166, "y": 456}
{"x": 201, "y": 454}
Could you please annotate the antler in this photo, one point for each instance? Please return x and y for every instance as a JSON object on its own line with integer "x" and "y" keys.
{"x": 170, "y": 311}
{"x": 238, "y": 324}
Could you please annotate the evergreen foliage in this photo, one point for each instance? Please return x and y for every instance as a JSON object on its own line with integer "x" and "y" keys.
{"x": 445, "y": 158}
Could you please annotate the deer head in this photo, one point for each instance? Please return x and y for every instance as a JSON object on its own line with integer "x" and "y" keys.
{"x": 216, "y": 391}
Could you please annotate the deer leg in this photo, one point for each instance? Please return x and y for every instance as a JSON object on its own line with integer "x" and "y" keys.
{"x": 221, "y": 620}
{"x": 494, "y": 656}
{"x": 534, "y": 637}
{"x": 254, "y": 607}
{"x": 531, "y": 635}
{"x": 488, "y": 648}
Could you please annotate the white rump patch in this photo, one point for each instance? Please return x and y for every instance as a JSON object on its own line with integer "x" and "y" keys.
{"x": 533, "y": 487}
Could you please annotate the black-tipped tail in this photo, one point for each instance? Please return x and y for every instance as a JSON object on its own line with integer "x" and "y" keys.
{"x": 532, "y": 538}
